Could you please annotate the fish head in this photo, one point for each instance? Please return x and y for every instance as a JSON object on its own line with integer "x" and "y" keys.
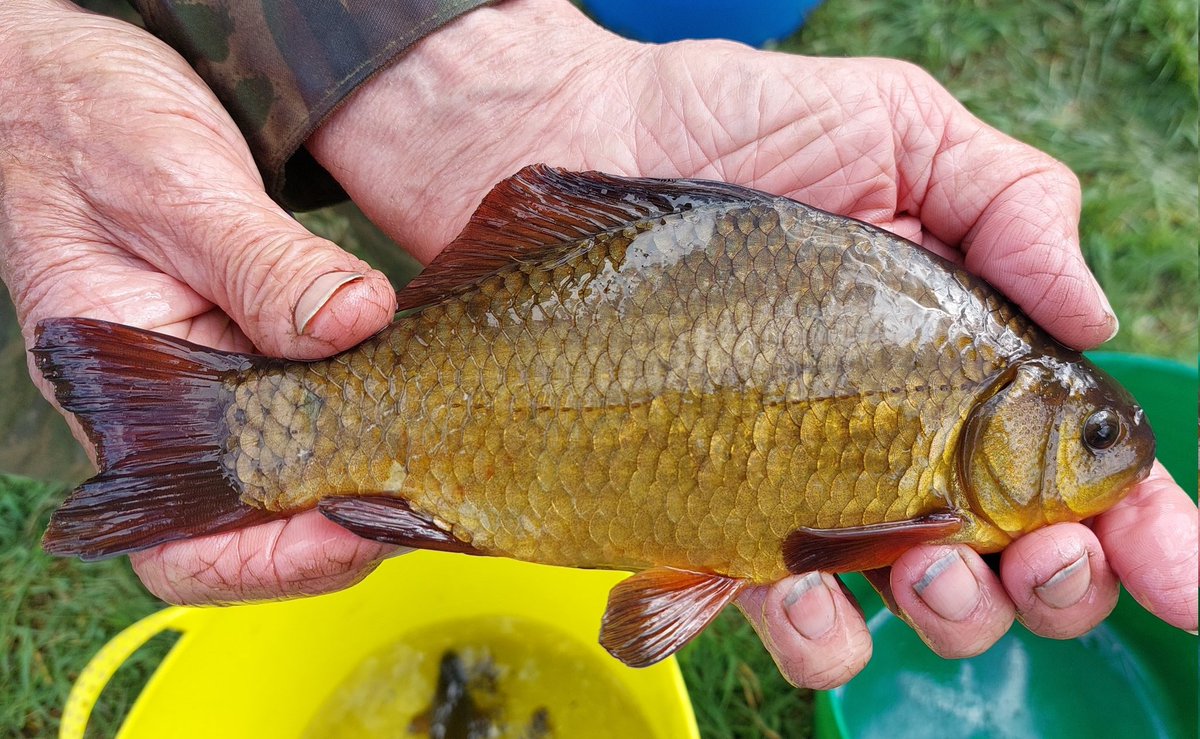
{"x": 1055, "y": 439}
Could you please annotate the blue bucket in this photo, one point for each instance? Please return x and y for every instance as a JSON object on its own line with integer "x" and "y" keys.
{"x": 752, "y": 22}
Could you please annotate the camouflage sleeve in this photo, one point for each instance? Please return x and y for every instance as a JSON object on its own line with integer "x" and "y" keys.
{"x": 281, "y": 66}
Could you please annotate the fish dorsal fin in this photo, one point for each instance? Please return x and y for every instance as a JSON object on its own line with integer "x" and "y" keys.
{"x": 542, "y": 213}
{"x": 653, "y": 613}
{"x": 858, "y": 548}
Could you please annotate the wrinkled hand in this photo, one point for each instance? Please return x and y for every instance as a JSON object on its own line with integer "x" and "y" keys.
{"x": 874, "y": 139}
{"x": 127, "y": 194}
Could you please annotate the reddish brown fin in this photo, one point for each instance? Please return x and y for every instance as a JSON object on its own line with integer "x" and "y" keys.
{"x": 858, "y": 548}
{"x": 653, "y": 613}
{"x": 541, "y": 214}
{"x": 136, "y": 508}
{"x": 154, "y": 407}
{"x": 392, "y": 521}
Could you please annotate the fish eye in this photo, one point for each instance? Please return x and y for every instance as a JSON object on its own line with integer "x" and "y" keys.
{"x": 1101, "y": 430}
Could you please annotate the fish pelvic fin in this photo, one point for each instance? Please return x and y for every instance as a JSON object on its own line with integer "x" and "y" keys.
{"x": 153, "y": 406}
{"x": 652, "y": 614}
{"x": 545, "y": 215}
{"x": 393, "y": 521}
{"x": 858, "y": 548}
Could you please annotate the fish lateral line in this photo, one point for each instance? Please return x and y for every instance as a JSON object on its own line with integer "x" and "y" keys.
{"x": 771, "y": 402}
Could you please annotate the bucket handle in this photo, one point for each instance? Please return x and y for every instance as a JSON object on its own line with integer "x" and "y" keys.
{"x": 101, "y": 667}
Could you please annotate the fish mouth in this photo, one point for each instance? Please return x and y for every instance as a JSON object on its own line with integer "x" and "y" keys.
{"x": 1143, "y": 435}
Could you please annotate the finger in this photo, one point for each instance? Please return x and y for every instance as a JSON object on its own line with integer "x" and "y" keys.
{"x": 1151, "y": 542}
{"x": 811, "y": 628}
{"x": 293, "y": 294}
{"x": 303, "y": 555}
{"x": 1026, "y": 243}
{"x": 951, "y": 599}
{"x": 1013, "y": 210}
{"x": 1060, "y": 581}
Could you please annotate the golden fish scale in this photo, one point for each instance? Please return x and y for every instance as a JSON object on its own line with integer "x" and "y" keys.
{"x": 684, "y": 392}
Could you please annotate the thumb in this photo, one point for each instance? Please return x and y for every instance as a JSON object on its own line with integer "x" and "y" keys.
{"x": 1013, "y": 210}
{"x": 1150, "y": 539}
{"x": 293, "y": 294}
{"x": 1016, "y": 213}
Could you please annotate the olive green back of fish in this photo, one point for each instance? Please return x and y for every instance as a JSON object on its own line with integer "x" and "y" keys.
{"x": 685, "y": 390}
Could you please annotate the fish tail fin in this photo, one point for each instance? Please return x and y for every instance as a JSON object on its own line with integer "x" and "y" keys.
{"x": 154, "y": 407}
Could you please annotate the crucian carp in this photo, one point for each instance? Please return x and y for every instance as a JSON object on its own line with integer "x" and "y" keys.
{"x": 704, "y": 384}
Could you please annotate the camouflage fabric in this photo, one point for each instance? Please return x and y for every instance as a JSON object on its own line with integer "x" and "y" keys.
{"x": 281, "y": 66}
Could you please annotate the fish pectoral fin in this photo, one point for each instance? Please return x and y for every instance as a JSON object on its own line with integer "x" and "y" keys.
{"x": 653, "y": 613}
{"x": 858, "y": 548}
{"x": 392, "y": 521}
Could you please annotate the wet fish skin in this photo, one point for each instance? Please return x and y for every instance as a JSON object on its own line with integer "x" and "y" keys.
{"x": 707, "y": 384}
{"x": 686, "y": 391}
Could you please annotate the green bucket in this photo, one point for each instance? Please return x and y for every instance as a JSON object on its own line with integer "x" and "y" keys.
{"x": 1131, "y": 676}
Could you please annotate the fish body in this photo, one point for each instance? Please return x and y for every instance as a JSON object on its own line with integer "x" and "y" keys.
{"x": 662, "y": 376}
{"x": 686, "y": 394}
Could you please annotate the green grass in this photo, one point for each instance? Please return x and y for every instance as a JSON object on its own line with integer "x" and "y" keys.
{"x": 1108, "y": 87}
{"x": 736, "y": 689}
{"x": 54, "y": 614}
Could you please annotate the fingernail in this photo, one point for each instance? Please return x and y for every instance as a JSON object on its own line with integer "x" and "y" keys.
{"x": 1068, "y": 584}
{"x": 1114, "y": 324}
{"x": 949, "y": 587}
{"x": 318, "y": 294}
{"x": 809, "y": 606}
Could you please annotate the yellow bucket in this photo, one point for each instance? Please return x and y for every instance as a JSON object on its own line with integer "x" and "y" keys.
{"x": 267, "y": 670}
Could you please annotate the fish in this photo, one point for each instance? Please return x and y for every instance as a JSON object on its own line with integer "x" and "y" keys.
{"x": 706, "y": 385}
{"x": 468, "y": 704}
{"x": 455, "y": 713}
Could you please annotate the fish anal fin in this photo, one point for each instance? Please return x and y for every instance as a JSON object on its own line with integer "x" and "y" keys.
{"x": 392, "y": 521}
{"x": 541, "y": 213}
{"x": 858, "y": 548}
{"x": 652, "y": 614}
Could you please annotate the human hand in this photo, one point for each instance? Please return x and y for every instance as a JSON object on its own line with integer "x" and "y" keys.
{"x": 127, "y": 194}
{"x": 533, "y": 81}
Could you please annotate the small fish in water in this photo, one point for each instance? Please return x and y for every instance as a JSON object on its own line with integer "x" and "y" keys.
{"x": 699, "y": 382}
{"x": 454, "y": 713}
{"x": 468, "y": 704}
